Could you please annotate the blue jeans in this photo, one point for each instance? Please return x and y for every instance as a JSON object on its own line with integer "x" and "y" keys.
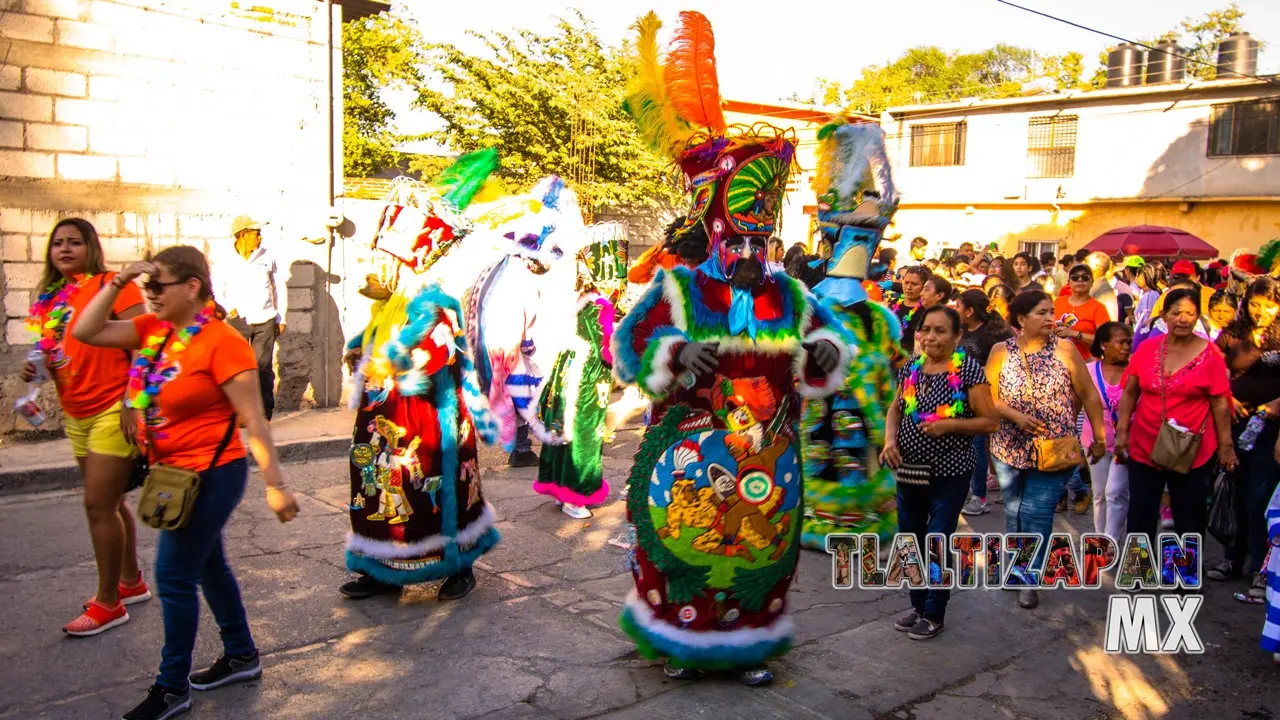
{"x": 1030, "y": 497}
{"x": 978, "y": 484}
{"x": 193, "y": 557}
{"x": 1075, "y": 484}
{"x": 932, "y": 509}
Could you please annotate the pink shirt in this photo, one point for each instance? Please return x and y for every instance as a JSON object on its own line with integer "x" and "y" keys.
{"x": 1110, "y": 407}
{"x": 1187, "y": 395}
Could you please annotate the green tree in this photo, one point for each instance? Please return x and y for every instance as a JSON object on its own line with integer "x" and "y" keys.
{"x": 380, "y": 52}
{"x": 550, "y": 104}
{"x": 931, "y": 74}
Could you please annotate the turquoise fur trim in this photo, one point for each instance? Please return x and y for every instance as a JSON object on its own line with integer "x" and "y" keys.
{"x": 446, "y": 402}
{"x": 824, "y": 316}
{"x": 355, "y": 343}
{"x": 626, "y": 363}
{"x": 453, "y": 563}
{"x": 715, "y": 657}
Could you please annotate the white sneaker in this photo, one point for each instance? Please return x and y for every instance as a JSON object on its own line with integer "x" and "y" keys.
{"x": 976, "y": 506}
{"x": 575, "y": 511}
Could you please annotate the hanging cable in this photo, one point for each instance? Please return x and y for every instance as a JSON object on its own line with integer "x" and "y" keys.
{"x": 1271, "y": 80}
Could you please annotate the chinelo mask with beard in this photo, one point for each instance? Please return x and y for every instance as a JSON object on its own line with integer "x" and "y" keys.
{"x": 742, "y": 258}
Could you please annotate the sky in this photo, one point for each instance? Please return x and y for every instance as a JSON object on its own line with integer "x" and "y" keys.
{"x": 779, "y": 48}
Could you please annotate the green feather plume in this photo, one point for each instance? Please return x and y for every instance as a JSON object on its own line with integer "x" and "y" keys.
{"x": 460, "y": 182}
{"x": 1269, "y": 256}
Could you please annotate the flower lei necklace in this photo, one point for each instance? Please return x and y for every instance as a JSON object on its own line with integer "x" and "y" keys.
{"x": 49, "y": 314}
{"x": 145, "y": 380}
{"x": 911, "y": 401}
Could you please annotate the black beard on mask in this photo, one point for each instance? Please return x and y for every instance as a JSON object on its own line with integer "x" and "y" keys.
{"x": 747, "y": 272}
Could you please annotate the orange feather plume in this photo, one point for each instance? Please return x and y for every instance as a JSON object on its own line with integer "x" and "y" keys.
{"x": 690, "y": 73}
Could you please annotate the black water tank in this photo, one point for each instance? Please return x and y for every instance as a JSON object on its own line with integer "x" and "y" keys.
{"x": 1124, "y": 66}
{"x": 1165, "y": 64}
{"x": 1237, "y": 57}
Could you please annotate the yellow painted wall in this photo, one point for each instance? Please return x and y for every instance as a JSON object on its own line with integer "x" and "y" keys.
{"x": 1225, "y": 225}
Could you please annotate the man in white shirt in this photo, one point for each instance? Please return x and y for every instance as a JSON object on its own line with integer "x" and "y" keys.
{"x": 250, "y": 285}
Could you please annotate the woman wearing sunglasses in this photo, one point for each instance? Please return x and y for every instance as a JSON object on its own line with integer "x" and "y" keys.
{"x": 90, "y": 383}
{"x": 194, "y": 381}
{"x": 1079, "y": 314}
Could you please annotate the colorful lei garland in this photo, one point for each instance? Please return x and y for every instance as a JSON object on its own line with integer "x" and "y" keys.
{"x": 909, "y": 399}
{"x": 144, "y": 380}
{"x": 50, "y": 313}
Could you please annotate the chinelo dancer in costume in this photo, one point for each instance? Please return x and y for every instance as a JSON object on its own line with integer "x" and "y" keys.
{"x": 846, "y": 490}
{"x": 519, "y": 312}
{"x": 715, "y": 491}
{"x": 417, "y": 510}
{"x": 571, "y": 410}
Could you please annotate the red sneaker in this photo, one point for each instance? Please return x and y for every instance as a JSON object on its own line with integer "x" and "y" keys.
{"x": 129, "y": 594}
{"x": 136, "y": 592}
{"x": 97, "y": 618}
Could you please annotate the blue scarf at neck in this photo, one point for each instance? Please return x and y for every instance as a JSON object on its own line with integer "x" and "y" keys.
{"x": 742, "y": 309}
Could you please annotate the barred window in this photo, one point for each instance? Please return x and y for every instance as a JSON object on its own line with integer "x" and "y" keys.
{"x": 1051, "y": 146}
{"x": 1251, "y": 128}
{"x": 937, "y": 145}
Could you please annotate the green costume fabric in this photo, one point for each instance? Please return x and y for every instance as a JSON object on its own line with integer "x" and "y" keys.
{"x": 846, "y": 490}
{"x": 572, "y": 411}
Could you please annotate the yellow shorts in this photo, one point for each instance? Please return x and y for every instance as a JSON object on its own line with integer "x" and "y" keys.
{"x": 98, "y": 434}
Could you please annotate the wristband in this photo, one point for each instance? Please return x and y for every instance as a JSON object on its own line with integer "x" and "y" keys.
{"x": 115, "y": 283}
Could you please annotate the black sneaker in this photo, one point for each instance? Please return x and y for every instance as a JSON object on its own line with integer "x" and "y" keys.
{"x": 1225, "y": 570}
{"x": 366, "y": 587}
{"x": 523, "y": 458}
{"x": 458, "y": 586}
{"x": 925, "y": 630}
{"x": 161, "y": 703}
{"x": 227, "y": 670}
{"x": 906, "y": 622}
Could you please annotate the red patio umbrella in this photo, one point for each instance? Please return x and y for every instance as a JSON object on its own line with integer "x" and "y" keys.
{"x": 1152, "y": 241}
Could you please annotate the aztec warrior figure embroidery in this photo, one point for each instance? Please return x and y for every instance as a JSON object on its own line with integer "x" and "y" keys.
{"x": 417, "y": 508}
{"x": 715, "y": 492}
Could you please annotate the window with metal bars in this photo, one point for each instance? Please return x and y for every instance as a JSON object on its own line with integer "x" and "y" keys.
{"x": 1251, "y": 128}
{"x": 937, "y": 145}
{"x": 1051, "y": 146}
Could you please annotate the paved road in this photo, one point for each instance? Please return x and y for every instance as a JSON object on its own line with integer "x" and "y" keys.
{"x": 538, "y": 639}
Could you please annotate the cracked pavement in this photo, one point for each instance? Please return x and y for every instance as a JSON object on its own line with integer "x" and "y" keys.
{"x": 538, "y": 637}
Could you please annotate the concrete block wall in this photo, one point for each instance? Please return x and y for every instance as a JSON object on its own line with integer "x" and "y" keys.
{"x": 159, "y": 121}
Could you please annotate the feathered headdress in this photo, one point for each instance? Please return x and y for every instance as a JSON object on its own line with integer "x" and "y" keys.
{"x": 737, "y": 177}
{"x": 856, "y": 202}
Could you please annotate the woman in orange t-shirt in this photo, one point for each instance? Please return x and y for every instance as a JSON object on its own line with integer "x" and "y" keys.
{"x": 1078, "y": 314}
{"x": 90, "y": 383}
{"x": 195, "y": 377}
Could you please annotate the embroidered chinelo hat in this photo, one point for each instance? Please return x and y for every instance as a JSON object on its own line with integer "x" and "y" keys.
{"x": 736, "y": 175}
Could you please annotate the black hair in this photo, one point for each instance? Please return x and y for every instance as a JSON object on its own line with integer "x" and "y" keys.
{"x": 1023, "y": 303}
{"x": 1103, "y": 335}
{"x": 919, "y": 242}
{"x": 888, "y": 256}
{"x": 693, "y": 245}
{"x": 1177, "y": 295}
{"x": 942, "y": 286}
{"x": 952, "y": 316}
{"x": 1081, "y": 254}
{"x": 1243, "y": 326}
{"x": 978, "y": 302}
{"x": 919, "y": 271}
{"x": 1048, "y": 258}
{"x": 1006, "y": 270}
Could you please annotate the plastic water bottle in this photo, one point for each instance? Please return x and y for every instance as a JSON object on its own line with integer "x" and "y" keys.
{"x": 1251, "y": 432}
{"x": 36, "y": 358}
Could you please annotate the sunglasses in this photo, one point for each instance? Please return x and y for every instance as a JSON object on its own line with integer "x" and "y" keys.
{"x": 1080, "y": 278}
{"x": 155, "y": 287}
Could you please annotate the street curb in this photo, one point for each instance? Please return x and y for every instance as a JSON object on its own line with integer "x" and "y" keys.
{"x": 66, "y": 476}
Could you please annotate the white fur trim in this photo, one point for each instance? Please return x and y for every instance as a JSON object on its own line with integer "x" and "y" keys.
{"x": 782, "y": 628}
{"x": 834, "y": 379}
{"x": 391, "y": 550}
{"x": 674, "y": 295}
{"x": 663, "y": 376}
